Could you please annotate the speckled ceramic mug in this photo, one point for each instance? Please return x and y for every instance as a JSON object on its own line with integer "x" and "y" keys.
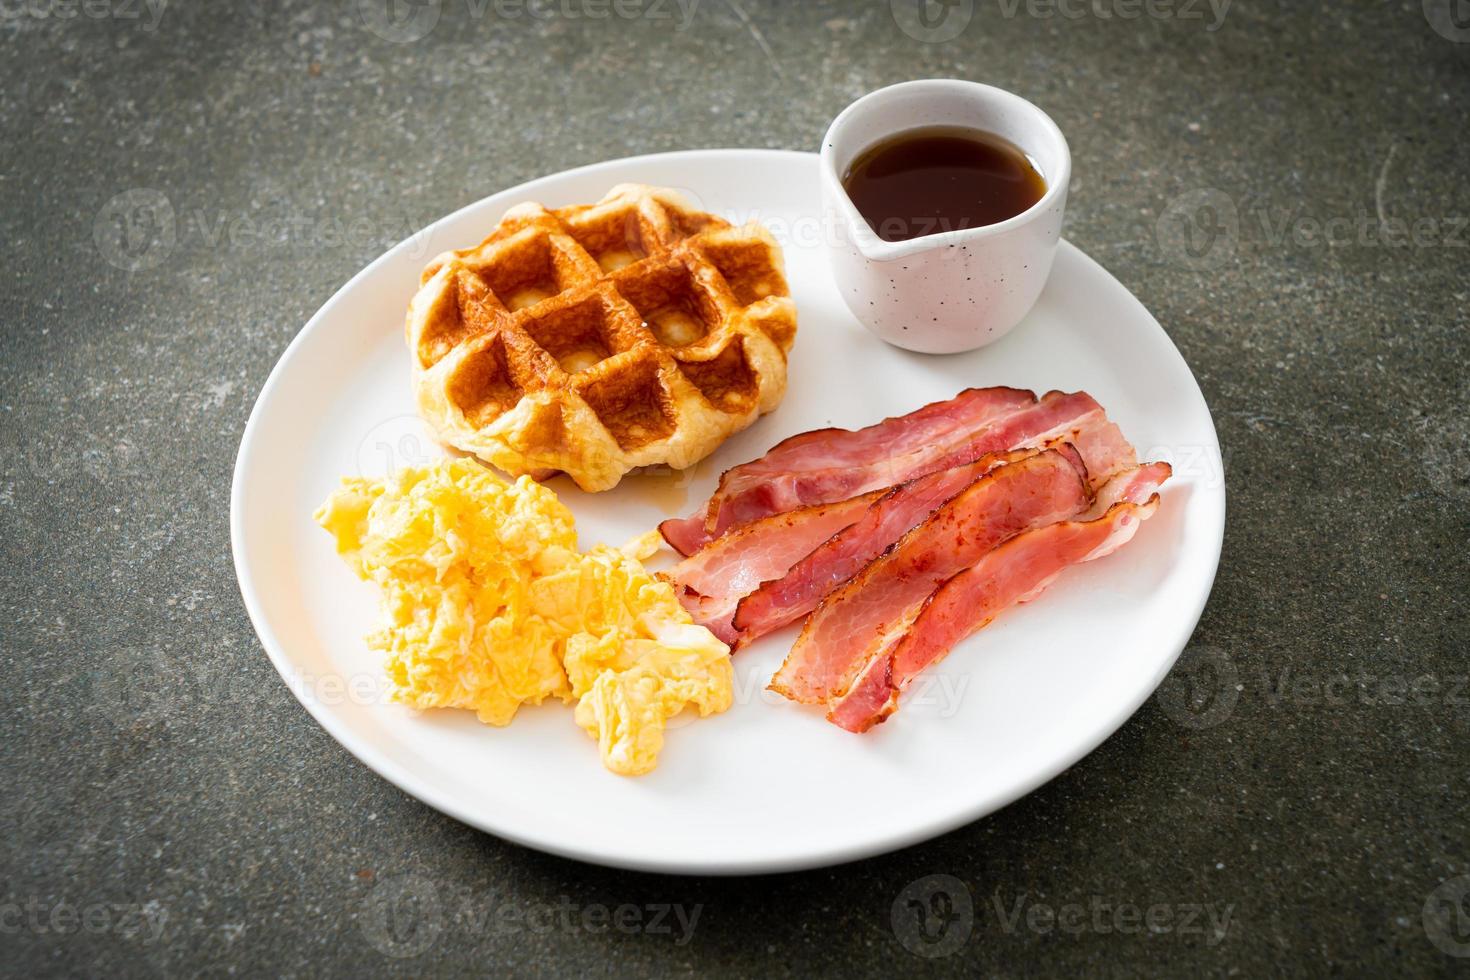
{"x": 957, "y": 290}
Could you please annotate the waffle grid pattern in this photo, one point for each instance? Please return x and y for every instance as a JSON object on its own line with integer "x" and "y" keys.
{"x": 595, "y": 339}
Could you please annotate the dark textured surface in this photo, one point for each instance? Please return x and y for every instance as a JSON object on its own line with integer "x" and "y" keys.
{"x": 168, "y": 808}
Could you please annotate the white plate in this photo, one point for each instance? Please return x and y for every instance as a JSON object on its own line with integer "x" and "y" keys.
{"x": 768, "y": 785}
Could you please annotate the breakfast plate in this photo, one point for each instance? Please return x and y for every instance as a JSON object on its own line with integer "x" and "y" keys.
{"x": 767, "y": 785}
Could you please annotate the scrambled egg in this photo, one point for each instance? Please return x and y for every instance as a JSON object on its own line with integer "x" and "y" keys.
{"x": 488, "y": 605}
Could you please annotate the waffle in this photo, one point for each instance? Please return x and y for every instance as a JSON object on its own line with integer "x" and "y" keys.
{"x": 594, "y": 339}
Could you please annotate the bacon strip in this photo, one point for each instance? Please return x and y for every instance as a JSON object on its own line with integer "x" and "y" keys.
{"x": 825, "y": 449}
{"x": 1014, "y": 572}
{"x": 786, "y": 599}
{"x": 1103, "y": 449}
{"x": 834, "y": 464}
{"x": 712, "y": 580}
{"x": 763, "y": 486}
{"x": 840, "y": 634}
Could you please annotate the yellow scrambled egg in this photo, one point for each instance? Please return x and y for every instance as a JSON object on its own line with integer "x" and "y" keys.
{"x": 488, "y": 605}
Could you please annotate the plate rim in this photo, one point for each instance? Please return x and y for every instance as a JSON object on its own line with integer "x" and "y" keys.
{"x": 426, "y": 793}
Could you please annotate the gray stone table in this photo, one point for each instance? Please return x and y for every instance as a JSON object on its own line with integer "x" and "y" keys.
{"x": 1294, "y": 800}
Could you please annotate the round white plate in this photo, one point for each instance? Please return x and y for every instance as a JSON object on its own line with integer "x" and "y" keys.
{"x": 768, "y": 785}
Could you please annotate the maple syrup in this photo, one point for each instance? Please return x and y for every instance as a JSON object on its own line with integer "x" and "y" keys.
{"x": 940, "y": 178}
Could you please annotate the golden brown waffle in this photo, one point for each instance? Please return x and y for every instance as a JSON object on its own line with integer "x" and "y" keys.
{"x": 598, "y": 338}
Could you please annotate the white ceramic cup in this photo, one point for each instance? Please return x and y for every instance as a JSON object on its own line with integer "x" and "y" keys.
{"x": 957, "y": 290}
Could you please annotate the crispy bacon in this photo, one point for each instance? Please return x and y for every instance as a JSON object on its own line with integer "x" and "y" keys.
{"x": 1103, "y": 448}
{"x": 834, "y": 464}
{"x": 775, "y": 603}
{"x": 766, "y": 481}
{"x": 1134, "y": 486}
{"x": 686, "y": 535}
{"x": 787, "y": 598}
{"x": 883, "y": 597}
{"x": 829, "y": 449}
{"x": 713, "y": 613}
{"x": 712, "y": 580}
{"x": 1016, "y": 571}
